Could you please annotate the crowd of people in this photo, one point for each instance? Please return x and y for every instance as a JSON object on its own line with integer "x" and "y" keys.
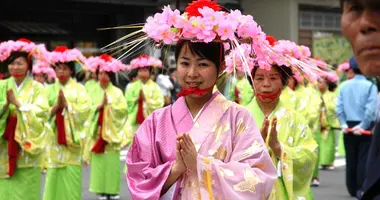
{"x": 242, "y": 116}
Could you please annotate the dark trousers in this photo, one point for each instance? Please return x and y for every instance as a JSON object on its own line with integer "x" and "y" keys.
{"x": 357, "y": 147}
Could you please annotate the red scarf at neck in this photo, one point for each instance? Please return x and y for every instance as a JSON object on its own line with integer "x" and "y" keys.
{"x": 196, "y": 91}
{"x": 272, "y": 96}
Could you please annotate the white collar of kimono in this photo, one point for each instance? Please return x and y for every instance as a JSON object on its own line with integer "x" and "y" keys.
{"x": 197, "y": 116}
{"x": 22, "y": 83}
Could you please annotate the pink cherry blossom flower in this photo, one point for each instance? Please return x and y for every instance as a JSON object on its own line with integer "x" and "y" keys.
{"x": 225, "y": 31}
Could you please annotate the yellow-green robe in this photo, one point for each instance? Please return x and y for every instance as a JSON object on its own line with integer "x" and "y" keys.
{"x": 289, "y": 98}
{"x": 105, "y": 167}
{"x": 153, "y": 100}
{"x": 309, "y": 105}
{"x": 90, "y": 85}
{"x": 64, "y": 175}
{"x": 30, "y": 135}
{"x": 330, "y": 122}
{"x": 297, "y": 162}
{"x": 245, "y": 91}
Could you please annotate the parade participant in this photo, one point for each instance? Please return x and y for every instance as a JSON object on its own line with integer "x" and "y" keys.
{"x": 144, "y": 95}
{"x": 356, "y": 110}
{"x": 203, "y": 146}
{"x": 23, "y": 112}
{"x": 43, "y": 73}
{"x": 345, "y": 68}
{"x": 329, "y": 121}
{"x": 242, "y": 89}
{"x": 69, "y": 117}
{"x": 287, "y": 135}
{"x": 108, "y": 128}
{"x": 92, "y": 82}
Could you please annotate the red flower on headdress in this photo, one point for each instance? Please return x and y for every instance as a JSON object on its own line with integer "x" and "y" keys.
{"x": 106, "y": 57}
{"x": 192, "y": 8}
{"x": 144, "y": 56}
{"x": 24, "y": 40}
{"x": 271, "y": 40}
{"x": 61, "y": 49}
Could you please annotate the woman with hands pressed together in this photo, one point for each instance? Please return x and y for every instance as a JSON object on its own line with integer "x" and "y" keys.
{"x": 69, "y": 122}
{"x": 289, "y": 140}
{"x": 108, "y": 128}
{"x": 23, "y": 111}
{"x": 203, "y": 146}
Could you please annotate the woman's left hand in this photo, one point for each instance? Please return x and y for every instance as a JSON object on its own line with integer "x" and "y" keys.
{"x": 273, "y": 140}
{"x": 188, "y": 152}
{"x": 12, "y": 98}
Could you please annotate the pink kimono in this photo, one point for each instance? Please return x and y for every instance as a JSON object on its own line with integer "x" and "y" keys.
{"x": 233, "y": 162}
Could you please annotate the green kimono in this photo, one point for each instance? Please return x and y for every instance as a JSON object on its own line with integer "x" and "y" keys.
{"x": 297, "y": 162}
{"x": 30, "y": 136}
{"x": 153, "y": 100}
{"x": 309, "y": 105}
{"x": 105, "y": 167}
{"x": 245, "y": 90}
{"x": 90, "y": 85}
{"x": 329, "y": 123}
{"x": 289, "y": 98}
{"x": 64, "y": 174}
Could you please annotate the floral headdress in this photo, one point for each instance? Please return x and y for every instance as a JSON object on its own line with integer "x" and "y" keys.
{"x": 144, "y": 61}
{"x": 234, "y": 62}
{"x": 62, "y": 54}
{"x": 105, "y": 62}
{"x": 202, "y": 21}
{"x": 21, "y": 45}
{"x": 344, "y": 67}
{"x": 41, "y": 67}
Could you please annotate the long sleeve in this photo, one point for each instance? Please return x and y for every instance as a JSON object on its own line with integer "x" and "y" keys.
{"x": 370, "y": 108}
{"x": 340, "y": 109}
{"x": 298, "y": 158}
{"x": 115, "y": 118}
{"x": 245, "y": 173}
{"x": 34, "y": 115}
{"x": 145, "y": 174}
{"x": 153, "y": 98}
{"x": 131, "y": 95}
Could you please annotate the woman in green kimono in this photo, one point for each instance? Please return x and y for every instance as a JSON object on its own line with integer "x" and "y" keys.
{"x": 307, "y": 103}
{"x": 23, "y": 111}
{"x": 144, "y": 95}
{"x": 238, "y": 88}
{"x": 69, "y": 117}
{"x": 290, "y": 142}
{"x": 108, "y": 128}
{"x": 329, "y": 123}
{"x": 92, "y": 82}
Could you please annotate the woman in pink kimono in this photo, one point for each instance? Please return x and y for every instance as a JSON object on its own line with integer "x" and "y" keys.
{"x": 203, "y": 146}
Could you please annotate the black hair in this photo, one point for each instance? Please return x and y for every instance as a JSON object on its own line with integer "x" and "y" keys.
{"x": 332, "y": 86}
{"x": 171, "y": 70}
{"x": 110, "y": 74}
{"x": 356, "y": 70}
{"x": 285, "y": 72}
{"x": 16, "y": 54}
{"x": 296, "y": 83}
{"x": 213, "y": 51}
{"x": 71, "y": 66}
{"x": 132, "y": 74}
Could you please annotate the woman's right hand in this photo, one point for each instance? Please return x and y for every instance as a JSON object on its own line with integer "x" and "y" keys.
{"x": 178, "y": 166}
